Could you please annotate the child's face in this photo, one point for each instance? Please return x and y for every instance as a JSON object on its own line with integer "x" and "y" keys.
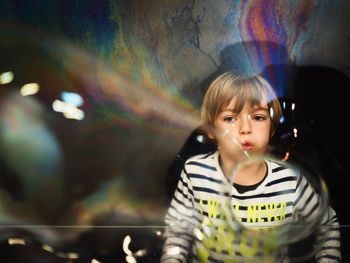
{"x": 248, "y": 130}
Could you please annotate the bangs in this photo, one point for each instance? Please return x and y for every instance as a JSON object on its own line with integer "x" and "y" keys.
{"x": 246, "y": 91}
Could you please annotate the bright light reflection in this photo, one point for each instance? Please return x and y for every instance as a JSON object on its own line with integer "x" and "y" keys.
{"x": 69, "y": 111}
{"x": 158, "y": 232}
{"x": 286, "y": 157}
{"x": 200, "y": 138}
{"x": 95, "y": 261}
{"x": 73, "y": 255}
{"x": 140, "y": 253}
{"x": 6, "y": 77}
{"x": 198, "y": 233}
{"x": 126, "y": 244}
{"x": 76, "y": 114}
{"x": 207, "y": 231}
{"x": 282, "y": 119}
{"x": 72, "y": 98}
{"x": 48, "y": 248}
{"x": 16, "y": 241}
{"x": 29, "y": 89}
{"x": 130, "y": 259}
{"x": 173, "y": 251}
{"x": 295, "y": 132}
{"x": 293, "y": 106}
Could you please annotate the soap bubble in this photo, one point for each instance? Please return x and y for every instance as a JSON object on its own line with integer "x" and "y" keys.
{"x": 81, "y": 144}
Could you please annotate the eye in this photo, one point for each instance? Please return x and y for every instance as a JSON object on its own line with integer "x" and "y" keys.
{"x": 229, "y": 119}
{"x": 259, "y": 117}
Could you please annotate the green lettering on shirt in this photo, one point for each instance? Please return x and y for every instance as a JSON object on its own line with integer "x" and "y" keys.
{"x": 213, "y": 207}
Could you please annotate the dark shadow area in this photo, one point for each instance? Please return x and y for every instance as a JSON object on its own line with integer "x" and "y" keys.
{"x": 320, "y": 117}
{"x": 319, "y": 114}
{"x": 96, "y": 245}
{"x": 197, "y": 143}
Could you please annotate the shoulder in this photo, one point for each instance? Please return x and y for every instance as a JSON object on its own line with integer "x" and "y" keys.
{"x": 277, "y": 167}
{"x": 280, "y": 173}
{"x": 202, "y": 158}
{"x": 203, "y": 161}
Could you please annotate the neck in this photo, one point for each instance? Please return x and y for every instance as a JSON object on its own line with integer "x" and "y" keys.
{"x": 249, "y": 174}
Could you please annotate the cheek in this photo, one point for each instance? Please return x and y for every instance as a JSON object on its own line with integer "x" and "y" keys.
{"x": 221, "y": 128}
{"x": 265, "y": 136}
{"x": 227, "y": 133}
{"x": 224, "y": 133}
{"x": 263, "y": 131}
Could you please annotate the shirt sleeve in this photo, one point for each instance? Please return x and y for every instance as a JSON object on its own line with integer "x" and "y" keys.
{"x": 309, "y": 208}
{"x": 180, "y": 221}
{"x": 328, "y": 239}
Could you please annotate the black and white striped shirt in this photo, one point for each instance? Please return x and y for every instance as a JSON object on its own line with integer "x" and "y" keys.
{"x": 211, "y": 221}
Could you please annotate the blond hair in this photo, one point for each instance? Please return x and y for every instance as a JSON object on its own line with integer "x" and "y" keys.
{"x": 252, "y": 90}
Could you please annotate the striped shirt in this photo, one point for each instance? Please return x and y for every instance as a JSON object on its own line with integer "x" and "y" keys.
{"x": 211, "y": 221}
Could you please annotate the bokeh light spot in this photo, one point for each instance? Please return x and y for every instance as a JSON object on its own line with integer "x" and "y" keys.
{"x": 6, "y": 77}
{"x": 72, "y": 98}
{"x": 29, "y": 89}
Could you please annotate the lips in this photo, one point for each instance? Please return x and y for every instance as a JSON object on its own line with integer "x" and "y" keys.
{"x": 247, "y": 146}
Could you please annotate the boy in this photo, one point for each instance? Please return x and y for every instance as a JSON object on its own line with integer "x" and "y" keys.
{"x": 241, "y": 115}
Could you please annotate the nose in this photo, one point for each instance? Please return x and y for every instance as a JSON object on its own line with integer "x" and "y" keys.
{"x": 245, "y": 125}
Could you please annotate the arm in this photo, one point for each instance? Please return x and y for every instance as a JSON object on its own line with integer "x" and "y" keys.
{"x": 180, "y": 221}
{"x": 308, "y": 207}
{"x": 328, "y": 239}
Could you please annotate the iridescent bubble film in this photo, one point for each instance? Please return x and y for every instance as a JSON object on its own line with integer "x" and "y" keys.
{"x": 99, "y": 111}
{"x": 81, "y": 143}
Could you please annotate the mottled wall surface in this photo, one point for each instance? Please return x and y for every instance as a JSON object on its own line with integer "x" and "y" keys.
{"x": 174, "y": 45}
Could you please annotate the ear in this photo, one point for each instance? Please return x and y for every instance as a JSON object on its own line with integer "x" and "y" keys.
{"x": 210, "y": 136}
{"x": 208, "y": 130}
